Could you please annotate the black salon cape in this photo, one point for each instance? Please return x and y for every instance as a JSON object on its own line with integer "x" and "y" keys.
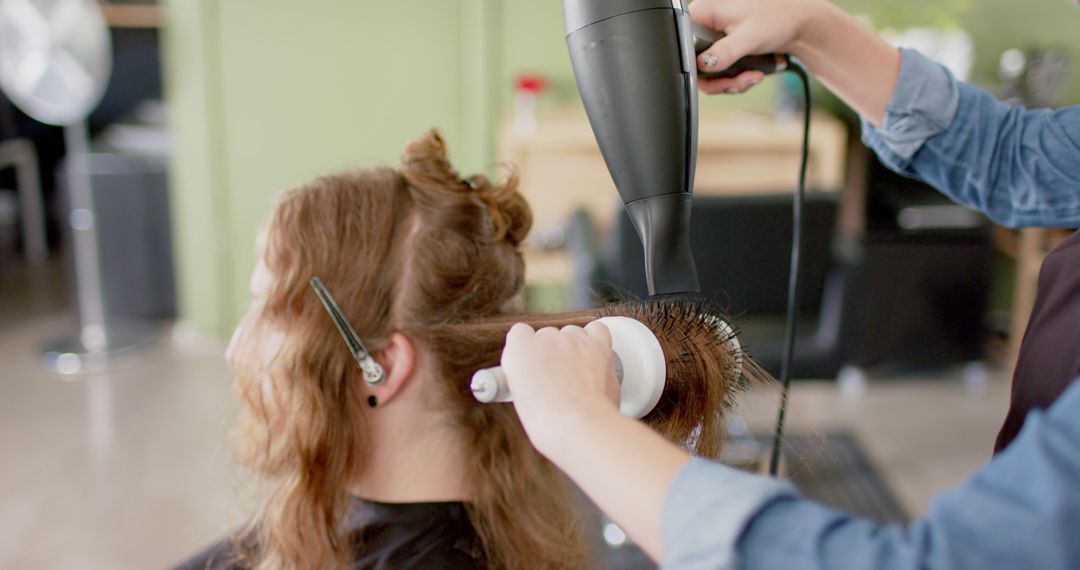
{"x": 388, "y": 536}
{"x": 1049, "y": 357}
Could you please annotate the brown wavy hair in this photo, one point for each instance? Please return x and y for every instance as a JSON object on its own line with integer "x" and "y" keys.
{"x": 421, "y": 251}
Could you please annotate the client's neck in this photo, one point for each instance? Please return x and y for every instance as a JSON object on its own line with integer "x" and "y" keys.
{"x": 415, "y": 456}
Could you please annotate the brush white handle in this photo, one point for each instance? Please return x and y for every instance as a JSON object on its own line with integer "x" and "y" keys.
{"x": 639, "y": 365}
{"x": 490, "y": 387}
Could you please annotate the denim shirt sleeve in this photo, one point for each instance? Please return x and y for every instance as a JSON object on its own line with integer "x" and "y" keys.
{"x": 1022, "y": 510}
{"x": 1020, "y": 167}
{"x": 706, "y": 510}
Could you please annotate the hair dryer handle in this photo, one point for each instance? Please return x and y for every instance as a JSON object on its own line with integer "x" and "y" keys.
{"x": 768, "y": 64}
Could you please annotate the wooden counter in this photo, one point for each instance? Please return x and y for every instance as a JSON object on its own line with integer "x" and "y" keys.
{"x": 738, "y": 153}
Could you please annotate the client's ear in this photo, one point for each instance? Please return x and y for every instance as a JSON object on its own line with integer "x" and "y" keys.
{"x": 398, "y": 359}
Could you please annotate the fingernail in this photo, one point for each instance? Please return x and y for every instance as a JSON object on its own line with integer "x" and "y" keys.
{"x": 709, "y": 60}
{"x": 754, "y": 82}
{"x": 731, "y": 90}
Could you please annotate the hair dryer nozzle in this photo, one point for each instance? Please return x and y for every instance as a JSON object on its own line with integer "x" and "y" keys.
{"x": 663, "y": 224}
{"x": 635, "y": 69}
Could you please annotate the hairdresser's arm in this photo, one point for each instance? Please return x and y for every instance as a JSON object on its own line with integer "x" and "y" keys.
{"x": 1020, "y": 167}
{"x": 1020, "y": 511}
{"x": 565, "y": 394}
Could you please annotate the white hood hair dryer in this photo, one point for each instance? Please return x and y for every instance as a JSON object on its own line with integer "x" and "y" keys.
{"x": 639, "y": 365}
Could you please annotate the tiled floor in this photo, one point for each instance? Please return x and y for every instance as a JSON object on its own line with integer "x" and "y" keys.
{"x": 124, "y": 470}
{"x": 131, "y": 470}
{"x": 923, "y": 434}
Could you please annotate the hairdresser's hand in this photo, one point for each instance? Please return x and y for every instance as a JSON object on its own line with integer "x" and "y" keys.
{"x": 752, "y": 27}
{"x": 846, "y": 55}
{"x": 559, "y": 377}
{"x": 566, "y": 395}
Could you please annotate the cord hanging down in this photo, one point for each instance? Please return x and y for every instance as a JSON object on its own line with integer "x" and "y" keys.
{"x": 788, "y": 357}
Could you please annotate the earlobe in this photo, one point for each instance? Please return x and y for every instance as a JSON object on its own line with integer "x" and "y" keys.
{"x": 398, "y": 359}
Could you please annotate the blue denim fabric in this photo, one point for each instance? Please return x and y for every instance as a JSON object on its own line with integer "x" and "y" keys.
{"x": 706, "y": 510}
{"x": 1020, "y": 167}
{"x": 1022, "y": 510}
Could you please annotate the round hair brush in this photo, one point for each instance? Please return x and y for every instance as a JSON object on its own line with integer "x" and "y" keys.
{"x": 679, "y": 365}
{"x": 638, "y": 361}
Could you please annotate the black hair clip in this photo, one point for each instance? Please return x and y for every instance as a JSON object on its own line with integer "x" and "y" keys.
{"x": 373, "y": 371}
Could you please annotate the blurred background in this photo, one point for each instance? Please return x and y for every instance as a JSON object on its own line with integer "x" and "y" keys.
{"x": 912, "y": 307}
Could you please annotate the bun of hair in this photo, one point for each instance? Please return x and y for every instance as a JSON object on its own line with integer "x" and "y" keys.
{"x": 424, "y": 164}
{"x": 424, "y": 159}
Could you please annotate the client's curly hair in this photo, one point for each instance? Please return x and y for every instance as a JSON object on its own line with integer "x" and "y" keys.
{"x": 421, "y": 251}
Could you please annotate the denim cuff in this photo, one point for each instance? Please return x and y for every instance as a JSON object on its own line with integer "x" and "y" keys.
{"x": 923, "y": 104}
{"x": 706, "y": 511}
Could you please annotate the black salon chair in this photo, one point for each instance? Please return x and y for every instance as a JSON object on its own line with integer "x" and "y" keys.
{"x": 898, "y": 296}
{"x": 742, "y": 250}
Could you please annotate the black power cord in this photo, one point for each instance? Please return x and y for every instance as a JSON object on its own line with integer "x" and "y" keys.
{"x": 788, "y": 357}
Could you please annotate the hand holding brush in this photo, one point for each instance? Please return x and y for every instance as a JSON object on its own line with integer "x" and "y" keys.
{"x": 559, "y": 377}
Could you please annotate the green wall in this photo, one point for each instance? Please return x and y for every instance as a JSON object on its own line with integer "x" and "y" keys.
{"x": 200, "y": 224}
{"x": 268, "y": 94}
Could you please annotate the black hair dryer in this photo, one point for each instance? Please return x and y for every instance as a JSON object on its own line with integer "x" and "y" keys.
{"x": 635, "y": 62}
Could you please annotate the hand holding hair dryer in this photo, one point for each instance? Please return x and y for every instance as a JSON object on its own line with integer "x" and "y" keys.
{"x": 636, "y": 68}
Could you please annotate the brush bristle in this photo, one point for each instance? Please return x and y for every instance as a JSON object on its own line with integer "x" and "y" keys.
{"x": 706, "y": 369}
